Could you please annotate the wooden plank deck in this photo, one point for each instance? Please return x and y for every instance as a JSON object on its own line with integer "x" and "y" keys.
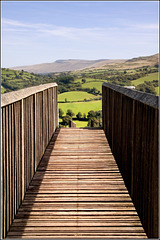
{"x": 77, "y": 192}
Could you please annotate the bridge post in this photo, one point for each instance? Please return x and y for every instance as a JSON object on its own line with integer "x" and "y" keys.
{"x": 72, "y": 124}
{"x": 92, "y": 123}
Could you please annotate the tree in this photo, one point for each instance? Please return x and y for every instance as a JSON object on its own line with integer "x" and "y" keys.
{"x": 66, "y": 120}
{"x": 91, "y": 114}
{"x": 83, "y": 80}
{"x": 146, "y": 87}
{"x": 99, "y": 117}
{"x": 65, "y": 79}
{"x": 98, "y": 114}
{"x": 79, "y": 115}
{"x": 65, "y": 99}
{"x": 61, "y": 113}
{"x": 84, "y": 116}
{"x": 94, "y": 121}
{"x": 70, "y": 113}
{"x": 21, "y": 73}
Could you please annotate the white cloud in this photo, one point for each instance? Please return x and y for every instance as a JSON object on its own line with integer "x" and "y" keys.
{"x": 77, "y": 33}
{"x": 145, "y": 26}
{"x": 46, "y": 40}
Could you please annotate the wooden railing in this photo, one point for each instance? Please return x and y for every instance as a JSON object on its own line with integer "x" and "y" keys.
{"x": 130, "y": 121}
{"x": 29, "y": 118}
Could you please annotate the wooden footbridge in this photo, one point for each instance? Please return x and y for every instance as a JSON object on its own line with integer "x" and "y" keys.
{"x": 73, "y": 182}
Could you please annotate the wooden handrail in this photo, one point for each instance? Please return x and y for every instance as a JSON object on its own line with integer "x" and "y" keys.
{"x": 130, "y": 121}
{"x": 29, "y": 119}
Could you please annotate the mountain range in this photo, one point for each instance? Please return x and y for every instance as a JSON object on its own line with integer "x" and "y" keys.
{"x": 77, "y": 64}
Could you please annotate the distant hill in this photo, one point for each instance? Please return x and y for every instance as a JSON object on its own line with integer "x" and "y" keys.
{"x": 76, "y": 64}
{"x": 65, "y": 65}
{"x": 146, "y": 61}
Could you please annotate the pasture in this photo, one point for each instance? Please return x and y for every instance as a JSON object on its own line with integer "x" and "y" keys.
{"x": 75, "y": 96}
{"x": 80, "y": 123}
{"x": 95, "y": 84}
{"x": 83, "y": 107}
{"x": 2, "y": 89}
{"x": 157, "y": 90}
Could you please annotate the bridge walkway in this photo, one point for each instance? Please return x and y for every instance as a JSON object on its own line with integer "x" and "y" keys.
{"x": 77, "y": 192}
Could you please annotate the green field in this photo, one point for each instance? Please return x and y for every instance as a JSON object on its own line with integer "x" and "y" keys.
{"x": 80, "y": 123}
{"x": 97, "y": 85}
{"x": 149, "y": 77}
{"x": 83, "y": 107}
{"x": 75, "y": 96}
{"x": 157, "y": 90}
{"x": 2, "y": 89}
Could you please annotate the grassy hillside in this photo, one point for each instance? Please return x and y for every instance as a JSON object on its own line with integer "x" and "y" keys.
{"x": 12, "y": 80}
{"x": 149, "y": 77}
{"x": 75, "y": 96}
{"x": 96, "y": 84}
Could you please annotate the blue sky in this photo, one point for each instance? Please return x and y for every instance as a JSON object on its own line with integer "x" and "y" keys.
{"x": 39, "y": 32}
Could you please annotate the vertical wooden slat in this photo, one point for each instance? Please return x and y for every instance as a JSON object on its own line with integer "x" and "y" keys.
{"x": 57, "y": 114}
{"x": 10, "y": 159}
{"x": 32, "y": 136}
{"x": 53, "y": 102}
{"x": 19, "y": 153}
{"x": 155, "y": 175}
{"x": 2, "y": 189}
{"x": 25, "y": 143}
{"x": 13, "y": 163}
{"x": 7, "y": 169}
{"x": 22, "y": 147}
{"x": 3, "y": 178}
{"x": 28, "y": 143}
{"x": 35, "y": 131}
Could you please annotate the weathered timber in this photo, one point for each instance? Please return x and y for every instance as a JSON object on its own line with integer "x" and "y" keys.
{"x": 72, "y": 124}
{"x": 29, "y": 119}
{"x": 80, "y": 194}
{"x": 130, "y": 121}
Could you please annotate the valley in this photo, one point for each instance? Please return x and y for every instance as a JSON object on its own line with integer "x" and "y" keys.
{"x": 81, "y": 90}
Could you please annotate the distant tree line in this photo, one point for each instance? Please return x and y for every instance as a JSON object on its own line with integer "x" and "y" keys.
{"x": 13, "y": 80}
